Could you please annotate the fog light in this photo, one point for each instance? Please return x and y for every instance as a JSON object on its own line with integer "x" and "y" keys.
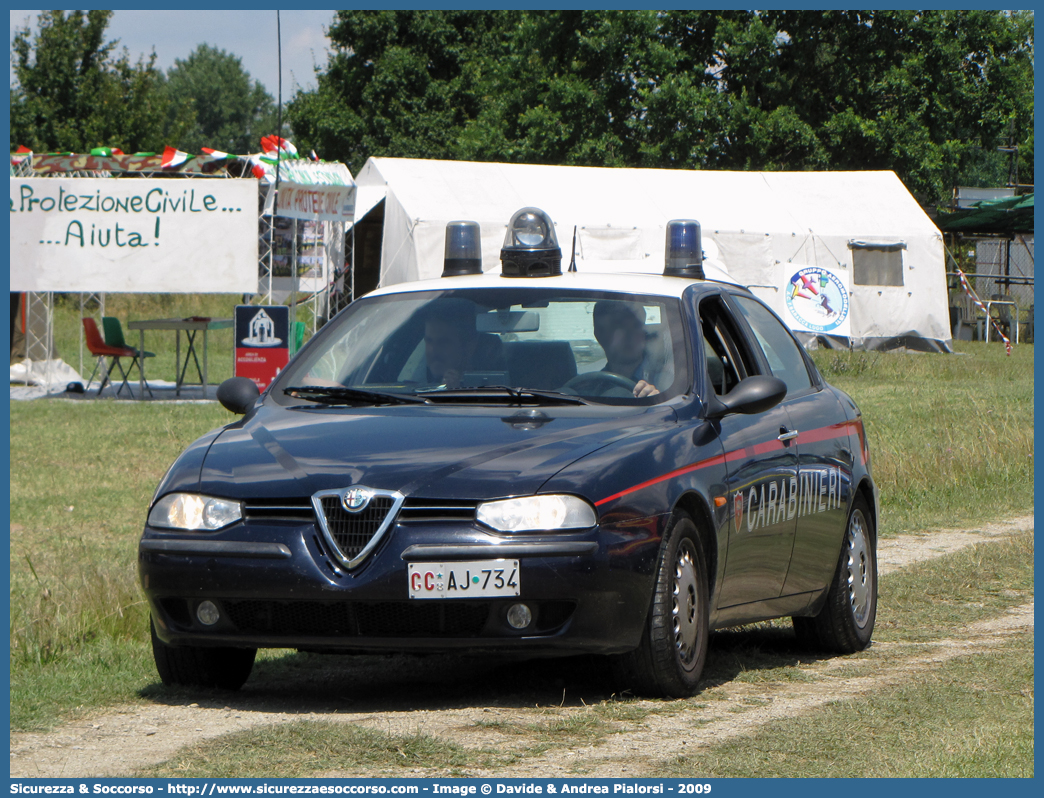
{"x": 207, "y": 612}
{"x": 519, "y": 616}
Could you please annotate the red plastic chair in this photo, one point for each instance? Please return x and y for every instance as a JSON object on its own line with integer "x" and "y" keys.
{"x": 101, "y": 350}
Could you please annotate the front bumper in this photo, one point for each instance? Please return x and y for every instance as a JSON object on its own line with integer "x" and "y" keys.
{"x": 276, "y": 586}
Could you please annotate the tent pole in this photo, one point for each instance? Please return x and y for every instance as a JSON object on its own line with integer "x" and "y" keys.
{"x": 80, "y": 369}
{"x": 293, "y": 288}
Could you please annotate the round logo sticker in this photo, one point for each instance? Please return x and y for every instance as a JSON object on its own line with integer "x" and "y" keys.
{"x": 817, "y": 299}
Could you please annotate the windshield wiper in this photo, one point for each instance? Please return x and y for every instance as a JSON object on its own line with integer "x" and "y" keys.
{"x": 333, "y": 395}
{"x": 515, "y": 395}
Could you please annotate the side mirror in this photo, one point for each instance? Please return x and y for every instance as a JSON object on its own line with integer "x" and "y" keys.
{"x": 753, "y": 395}
{"x": 238, "y": 394}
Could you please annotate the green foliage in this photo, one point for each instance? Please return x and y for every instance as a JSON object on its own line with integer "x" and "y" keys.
{"x": 927, "y": 94}
{"x": 402, "y": 82}
{"x": 72, "y": 94}
{"x": 232, "y": 111}
{"x": 930, "y": 95}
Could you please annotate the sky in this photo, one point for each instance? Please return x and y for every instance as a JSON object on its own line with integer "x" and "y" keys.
{"x": 251, "y": 35}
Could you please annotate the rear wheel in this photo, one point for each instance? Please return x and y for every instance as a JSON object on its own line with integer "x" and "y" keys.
{"x": 846, "y": 622}
{"x": 195, "y": 666}
{"x": 670, "y": 658}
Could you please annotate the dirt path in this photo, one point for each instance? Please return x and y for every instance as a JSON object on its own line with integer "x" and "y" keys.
{"x": 120, "y": 740}
{"x": 638, "y": 753}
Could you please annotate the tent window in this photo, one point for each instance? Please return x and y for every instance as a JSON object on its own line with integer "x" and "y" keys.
{"x": 877, "y": 264}
{"x": 610, "y": 243}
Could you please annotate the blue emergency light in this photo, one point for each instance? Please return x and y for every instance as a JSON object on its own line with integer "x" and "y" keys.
{"x": 684, "y": 255}
{"x": 463, "y": 249}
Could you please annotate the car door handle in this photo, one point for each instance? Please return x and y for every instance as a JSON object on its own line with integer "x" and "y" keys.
{"x": 785, "y": 435}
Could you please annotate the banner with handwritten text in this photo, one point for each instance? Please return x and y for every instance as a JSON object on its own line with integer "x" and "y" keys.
{"x": 134, "y": 235}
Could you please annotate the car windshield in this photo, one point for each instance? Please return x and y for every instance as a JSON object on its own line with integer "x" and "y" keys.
{"x": 503, "y": 344}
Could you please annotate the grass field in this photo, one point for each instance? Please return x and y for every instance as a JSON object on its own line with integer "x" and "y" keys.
{"x": 951, "y": 439}
{"x": 82, "y": 477}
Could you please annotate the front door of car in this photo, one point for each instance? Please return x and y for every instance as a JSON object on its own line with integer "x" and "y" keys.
{"x": 761, "y": 463}
{"x": 824, "y": 447}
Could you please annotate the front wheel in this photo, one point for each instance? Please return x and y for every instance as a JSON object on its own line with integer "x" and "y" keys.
{"x": 195, "y": 666}
{"x": 846, "y": 622}
{"x": 669, "y": 660}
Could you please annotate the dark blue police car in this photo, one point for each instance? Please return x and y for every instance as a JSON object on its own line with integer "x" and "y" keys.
{"x": 530, "y": 462}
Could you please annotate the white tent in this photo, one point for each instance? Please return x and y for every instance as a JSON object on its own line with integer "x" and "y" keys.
{"x": 793, "y": 237}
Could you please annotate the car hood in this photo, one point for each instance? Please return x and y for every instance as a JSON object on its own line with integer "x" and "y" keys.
{"x": 433, "y": 452}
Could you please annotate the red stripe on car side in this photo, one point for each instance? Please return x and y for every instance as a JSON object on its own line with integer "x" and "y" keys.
{"x": 670, "y": 475}
{"x": 824, "y": 433}
{"x": 842, "y": 430}
{"x": 812, "y": 436}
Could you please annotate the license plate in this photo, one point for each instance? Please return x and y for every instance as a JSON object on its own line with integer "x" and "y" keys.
{"x": 481, "y": 579}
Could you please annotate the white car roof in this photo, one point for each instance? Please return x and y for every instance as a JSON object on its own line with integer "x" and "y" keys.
{"x": 631, "y": 283}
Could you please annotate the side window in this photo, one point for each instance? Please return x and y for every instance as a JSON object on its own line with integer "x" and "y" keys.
{"x": 781, "y": 351}
{"x": 727, "y": 362}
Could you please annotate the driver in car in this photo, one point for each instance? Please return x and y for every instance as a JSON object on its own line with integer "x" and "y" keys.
{"x": 619, "y": 328}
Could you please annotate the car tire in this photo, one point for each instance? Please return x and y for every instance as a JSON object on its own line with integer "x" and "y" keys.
{"x": 195, "y": 666}
{"x": 669, "y": 660}
{"x": 846, "y": 622}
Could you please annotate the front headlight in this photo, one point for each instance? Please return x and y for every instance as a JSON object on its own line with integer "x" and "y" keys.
{"x": 537, "y": 513}
{"x": 194, "y": 512}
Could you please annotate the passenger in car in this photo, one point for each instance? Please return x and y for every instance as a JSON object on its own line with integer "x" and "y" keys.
{"x": 619, "y": 328}
{"x": 452, "y": 345}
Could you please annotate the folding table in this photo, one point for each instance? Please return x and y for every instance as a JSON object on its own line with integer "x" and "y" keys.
{"x": 191, "y": 326}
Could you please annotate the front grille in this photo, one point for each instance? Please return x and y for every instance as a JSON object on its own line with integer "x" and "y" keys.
{"x": 352, "y": 531}
{"x": 279, "y": 510}
{"x": 413, "y": 510}
{"x": 429, "y": 510}
{"x": 359, "y": 619}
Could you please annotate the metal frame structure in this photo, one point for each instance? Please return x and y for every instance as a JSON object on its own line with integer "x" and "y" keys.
{"x": 39, "y": 337}
{"x": 318, "y": 305}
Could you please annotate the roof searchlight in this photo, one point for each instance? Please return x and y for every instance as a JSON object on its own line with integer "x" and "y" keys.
{"x": 463, "y": 249}
{"x": 530, "y": 246}
{"x": 684, "y": 251}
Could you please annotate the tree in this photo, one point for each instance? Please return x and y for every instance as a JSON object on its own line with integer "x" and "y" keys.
{"x": 232, "y": 111}
{"x": 72, "y": 94}
{"x": 402, "y": 83}
{"x": 928, "y": 94}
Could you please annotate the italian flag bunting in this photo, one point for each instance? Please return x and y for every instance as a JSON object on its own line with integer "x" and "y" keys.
{"x": 271, "y": 145}
{"x": 257, "y": 167}
{"x": 173, "y": 157}
{"x": 215, "y": 153}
